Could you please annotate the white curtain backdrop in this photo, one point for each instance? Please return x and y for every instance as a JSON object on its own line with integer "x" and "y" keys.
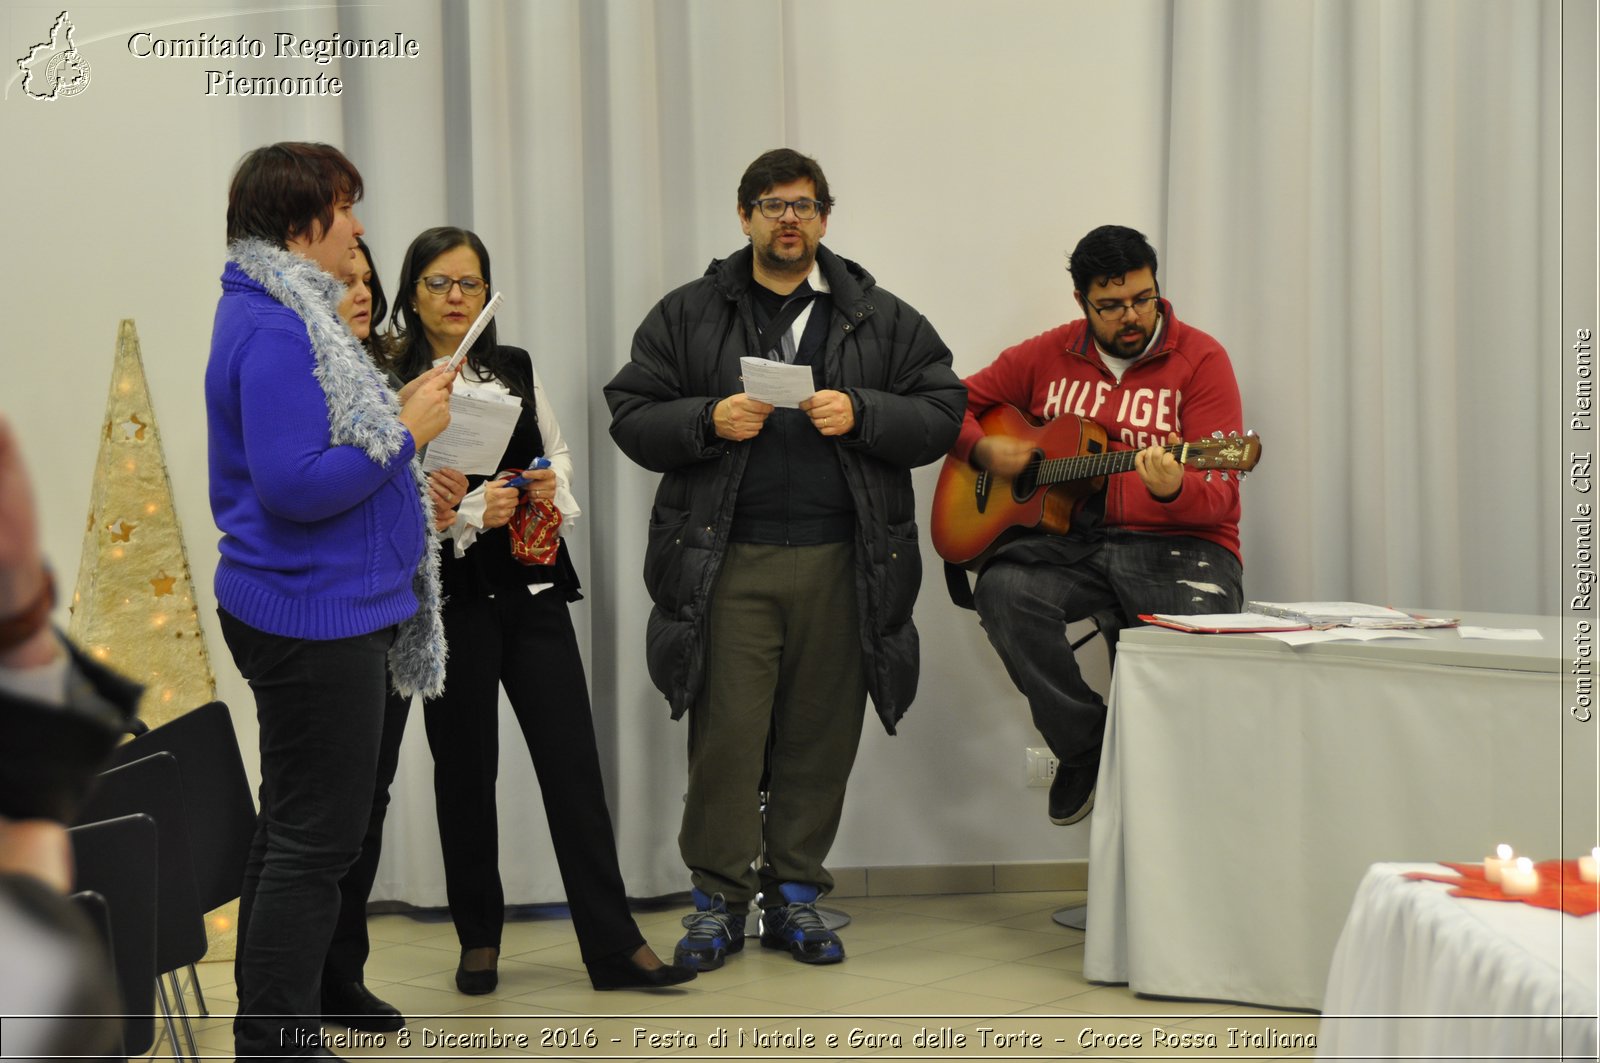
{"x": 1362, "y": 198}
{"x": 1358, "y": 198}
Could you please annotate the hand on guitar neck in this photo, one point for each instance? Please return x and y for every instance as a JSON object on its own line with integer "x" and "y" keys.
{"x": 1008, "y": 456}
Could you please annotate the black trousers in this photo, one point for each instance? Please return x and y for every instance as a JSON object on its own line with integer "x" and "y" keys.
{"x": 525, "y": 642}
{"x": 319, "y": 705}
{"x": 348, "y": 951}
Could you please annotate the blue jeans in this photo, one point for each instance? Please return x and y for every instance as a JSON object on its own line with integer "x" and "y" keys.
{"x": 1025, "y": 609}
{"x": 320, "y": 707}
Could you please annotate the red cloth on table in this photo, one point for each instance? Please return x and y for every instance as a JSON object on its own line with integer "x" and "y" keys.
{"x": 1560, "y": 887}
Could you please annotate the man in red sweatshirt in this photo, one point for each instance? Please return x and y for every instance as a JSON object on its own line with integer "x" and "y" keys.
{"x": 1161, "y": 539}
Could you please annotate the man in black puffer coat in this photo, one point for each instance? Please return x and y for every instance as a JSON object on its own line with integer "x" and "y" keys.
{"x": 783, "y": 558}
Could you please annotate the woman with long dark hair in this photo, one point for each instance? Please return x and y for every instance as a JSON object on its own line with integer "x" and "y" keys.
{"x": 508, "y": 624}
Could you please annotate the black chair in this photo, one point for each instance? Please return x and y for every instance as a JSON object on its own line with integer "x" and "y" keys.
{"x": 154, "y": 785}
{"x": 116, "y": 859}
{"x": 97, "y": 911}
{"x": 217, "y": 798}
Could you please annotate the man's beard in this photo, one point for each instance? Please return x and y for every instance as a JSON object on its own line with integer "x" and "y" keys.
{"x": 774, "y": 262}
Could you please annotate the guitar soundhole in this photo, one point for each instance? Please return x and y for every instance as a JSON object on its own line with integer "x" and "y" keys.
{"x": 1027, "y": 481}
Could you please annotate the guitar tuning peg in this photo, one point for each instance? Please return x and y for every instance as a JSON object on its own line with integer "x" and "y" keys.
{"x": 1216, "y": 434}
{"x": 1240, "y": 475}
{"x": 1250, "y": 433}
{"x": 1208, "y": 476}
{"x": 1224, "y": 477}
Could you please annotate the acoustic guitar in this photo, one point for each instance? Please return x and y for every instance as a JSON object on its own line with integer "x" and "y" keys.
{"x": 975, "y": 511}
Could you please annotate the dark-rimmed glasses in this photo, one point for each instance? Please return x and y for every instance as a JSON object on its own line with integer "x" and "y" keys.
{"x": 773, "y": 207}
{"x": 439, "y": 284}
{"x": 1118, "y": 311}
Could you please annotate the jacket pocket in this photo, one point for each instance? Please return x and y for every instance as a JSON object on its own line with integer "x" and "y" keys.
{"x": 902, "y": 575}
{"x": 663, "y": 558}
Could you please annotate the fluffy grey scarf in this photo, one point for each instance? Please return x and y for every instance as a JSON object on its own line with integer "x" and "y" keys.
{"x": 364, "y": 413}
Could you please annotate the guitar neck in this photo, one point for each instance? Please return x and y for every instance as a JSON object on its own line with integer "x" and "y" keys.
{"x": 1085, "y": 466}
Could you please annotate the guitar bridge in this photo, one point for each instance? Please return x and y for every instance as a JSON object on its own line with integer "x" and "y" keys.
{"x": 981, "y": 490}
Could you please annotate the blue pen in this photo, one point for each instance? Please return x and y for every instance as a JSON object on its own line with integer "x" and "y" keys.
{"x": 523, "y": 481}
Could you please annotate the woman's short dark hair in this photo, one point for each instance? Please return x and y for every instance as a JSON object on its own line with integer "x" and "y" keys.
{"x": 1109, "y": 251}
{"x": 278, "y": 191}
{"x": 412, "y": 352}
{"x": 778, "y": 167}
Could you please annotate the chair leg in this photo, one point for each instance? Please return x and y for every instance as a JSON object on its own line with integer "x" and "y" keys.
{"x": 199, "y": 997}
{"x": 183, "y": 1015}
{"x": 171, "y": 1032}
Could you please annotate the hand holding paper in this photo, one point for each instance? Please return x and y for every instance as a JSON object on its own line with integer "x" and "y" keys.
{"x": 426, "y": 412}
{"x": 740, "y": 417}
{"x": 777, "y": 383}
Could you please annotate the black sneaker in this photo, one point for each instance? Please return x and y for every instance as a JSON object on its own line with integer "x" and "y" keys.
{"x": 798, "y": 928}
{"x": 714, "y": 934}
{"x": 1072, "y": 793}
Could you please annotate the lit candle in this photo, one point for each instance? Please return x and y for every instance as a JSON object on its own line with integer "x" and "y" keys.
{"x": 1493, "y": 864}
{"x": 1519, "y": 879}
{"x": 1587, "y": 865}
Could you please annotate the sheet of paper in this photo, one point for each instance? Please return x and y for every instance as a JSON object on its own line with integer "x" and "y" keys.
{"x": 480, "y": 323}
{"x": 481, "y": 422}
{"x": 1340, "y": 634}
{"x": 1225, "y": 622}
{"x": 1343, "y": 610}
{"x": 1507, "y": 634}
{"x": 779, "y": 383}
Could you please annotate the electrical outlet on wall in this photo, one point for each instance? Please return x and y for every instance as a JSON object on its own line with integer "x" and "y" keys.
{"x": 1041, "y": 764}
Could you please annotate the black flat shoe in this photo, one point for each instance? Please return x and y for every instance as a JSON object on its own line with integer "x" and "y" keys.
{"x": 621, "y": 971}
{"x": 476, "y": 983}
{"x": 352, "y": 1004}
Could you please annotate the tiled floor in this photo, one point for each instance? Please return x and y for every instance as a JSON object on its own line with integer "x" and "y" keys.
{"x": 922, "y": 968}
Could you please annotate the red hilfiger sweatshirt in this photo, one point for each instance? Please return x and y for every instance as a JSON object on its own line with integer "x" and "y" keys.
{"x": 1185, "y": 384}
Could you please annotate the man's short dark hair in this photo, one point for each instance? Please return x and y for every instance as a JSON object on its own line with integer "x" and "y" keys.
{"x": 278, "y": 191}
{"x": 778, "y": 167}
{"x": 1109, "y": 251}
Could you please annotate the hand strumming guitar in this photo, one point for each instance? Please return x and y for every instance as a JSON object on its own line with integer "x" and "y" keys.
{"x": 1003, "y": 455}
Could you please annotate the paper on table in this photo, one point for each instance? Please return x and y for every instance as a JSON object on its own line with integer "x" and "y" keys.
{"x": 778, "y": 383}
{"x": 1348, "y": 614}
{"x": 481, "y": 422}
{"x": 1507, "y": 634}
{"x": 1222, "y": 623}
{"x": 1341, "y": 634}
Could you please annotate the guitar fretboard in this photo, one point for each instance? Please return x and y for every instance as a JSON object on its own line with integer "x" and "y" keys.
{"x": 1087, "y": 466}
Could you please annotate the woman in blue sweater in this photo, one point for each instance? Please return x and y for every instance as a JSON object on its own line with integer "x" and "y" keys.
{"x": 327, "y": 580}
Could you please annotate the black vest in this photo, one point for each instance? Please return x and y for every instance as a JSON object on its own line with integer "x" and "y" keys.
{"x": 488, "y": 567}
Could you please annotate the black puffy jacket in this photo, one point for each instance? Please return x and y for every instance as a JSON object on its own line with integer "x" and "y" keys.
{"x": 908, "y": 404}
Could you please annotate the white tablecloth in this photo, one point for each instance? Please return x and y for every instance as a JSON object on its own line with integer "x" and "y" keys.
{"x": 1246, "y": 786}
{"x": 1418, "y": 972}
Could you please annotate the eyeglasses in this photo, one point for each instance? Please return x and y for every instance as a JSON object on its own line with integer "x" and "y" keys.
{"x": 773, "y": 207}
{"x": 1118, "y": 311}
{"x": 439, "y": 284}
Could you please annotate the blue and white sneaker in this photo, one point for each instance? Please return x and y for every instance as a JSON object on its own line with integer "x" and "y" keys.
{"x": 714, "y": 934}
{"x": 797, "y": 927}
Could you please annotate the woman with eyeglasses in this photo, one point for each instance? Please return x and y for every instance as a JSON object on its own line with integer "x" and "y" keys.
{"x": 508, "y": 624}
